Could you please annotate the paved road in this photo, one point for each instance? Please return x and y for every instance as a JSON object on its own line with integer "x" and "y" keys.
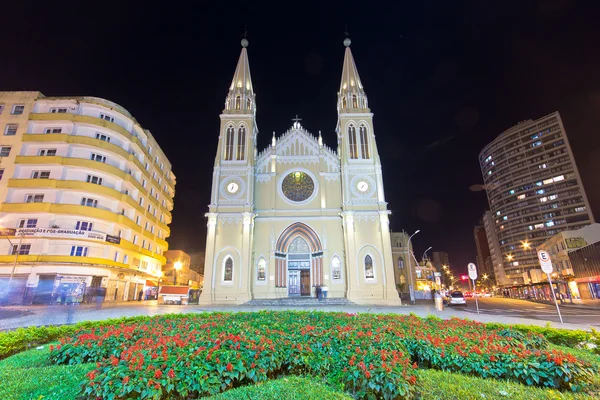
{"x": 492, "y": 310}
{"x": 502, "y": 307}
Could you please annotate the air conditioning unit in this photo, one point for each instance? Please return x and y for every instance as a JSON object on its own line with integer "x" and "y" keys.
{"x": 125, "y": 191}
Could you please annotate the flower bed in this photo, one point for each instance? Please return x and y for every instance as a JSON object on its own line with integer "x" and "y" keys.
{"x": 368, "y": 355}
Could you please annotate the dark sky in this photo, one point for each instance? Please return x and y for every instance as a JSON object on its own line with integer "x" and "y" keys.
{"x": 443, "y": 79}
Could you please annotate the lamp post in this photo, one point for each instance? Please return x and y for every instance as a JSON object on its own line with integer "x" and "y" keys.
{"x": 177, "y": 266}
{"x": 425, "y": 252}
{"x": 411, "y": 290}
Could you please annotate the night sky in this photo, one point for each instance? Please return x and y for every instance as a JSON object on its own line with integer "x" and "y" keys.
{"x": 443, "y": 79}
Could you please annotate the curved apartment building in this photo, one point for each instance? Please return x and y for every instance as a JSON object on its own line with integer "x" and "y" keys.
{"x": 86, "y": 197}
{"x": 534, "y": 191}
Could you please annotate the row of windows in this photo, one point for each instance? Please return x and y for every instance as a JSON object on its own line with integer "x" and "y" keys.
{"x": 336, "y": 269}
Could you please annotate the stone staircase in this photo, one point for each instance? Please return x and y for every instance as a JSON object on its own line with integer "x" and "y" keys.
{"x": 298, "y": 302}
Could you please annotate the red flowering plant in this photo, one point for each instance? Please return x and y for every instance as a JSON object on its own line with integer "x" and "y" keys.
{"x": 372, "y": 356}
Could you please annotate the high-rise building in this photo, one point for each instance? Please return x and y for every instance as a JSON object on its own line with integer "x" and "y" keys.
{"x": 484, "y": 266}
{"x": 85, "y": 200}
{"x": 498, "y": 273}
{"x": 534, "y": 191}
{"x": 439, "y": 259}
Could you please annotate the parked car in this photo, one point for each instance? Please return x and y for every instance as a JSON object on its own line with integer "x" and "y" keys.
{"x": 457, "y": 298}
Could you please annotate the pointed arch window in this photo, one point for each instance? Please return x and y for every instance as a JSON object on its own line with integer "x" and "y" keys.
{"x": 229, "y": 137}
{"x": 241, "y": 144}
{"x": 369, "y": 271}
{"x": 353, "y": 147}
{"x": 248, "y": 104}
{"x": 344, "y": 102}
{"x": 261, "y": 272}
{"x": 364, "y": 142}
{"x": 228, "y": 270}
{"x": 354, "y": 101}
{"x": 238, "y": 102}
{"x": 336, "y": 268}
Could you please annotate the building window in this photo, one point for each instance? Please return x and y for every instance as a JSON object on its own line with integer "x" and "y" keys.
{"x": 354, "y": 101}
{"x": 79, "y": 251}
{"x": 94, "y": 179}
{"x": 107, "y": 117}
{"x": 85, "y": 201}
{"x": 58, "y": 110}
{"x": 336, "y": 268}
{"x": 400, "y": 263}
{"x": 98, "y": 157}
{"x": 228, "y": 270}
{"x": 27, "y": 223}
{"x": 84, "y": 226}
{"x": 352, "y": 142}
{"x": 136, "y": 262}
{"x": 1, "y": 173}
{"x": 18, "y": 109}
{"x": 48, "y": 152}
{"x": 125, "y": 259}
{"x": 135, "y": 239}
{"x": 241, "y": 148}
{"x": 102, "y": 137}
{"x": 5, "y": 151}
{"x": 34, "y": 198}
{"x": 53, "y": 130}
{"x": 116, "y": 256}
{"x": 1, "y": 108}
{"x": 364, "y": 142}
{"x": 11, "y": 129}
{"x": 238, "y": 101}
{"x": 137, "y": 220}
{"x": 229, "y": 137}
{"x": 369, "y": 270}
{"x": 261, "y": 273}
{"x": 40, "y": 175}
{"x": 141, "y": 201}
{"x": 24, "y": 249}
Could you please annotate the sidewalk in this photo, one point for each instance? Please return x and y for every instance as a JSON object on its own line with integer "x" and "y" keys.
{"x": 590, "y": 305}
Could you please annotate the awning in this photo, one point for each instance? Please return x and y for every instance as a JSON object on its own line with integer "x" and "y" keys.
{"x": 180, "y": 290}
{"x": 150, "y": 283}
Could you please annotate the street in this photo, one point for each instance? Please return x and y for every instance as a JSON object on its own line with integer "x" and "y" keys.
{"x": 509, "y": 311}
{"x": 504, "y": 307}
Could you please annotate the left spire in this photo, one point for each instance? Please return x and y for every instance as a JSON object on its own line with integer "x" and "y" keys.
{"x": 240, "y": 98}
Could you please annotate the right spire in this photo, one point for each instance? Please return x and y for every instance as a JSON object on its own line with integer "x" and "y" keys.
{"x": 352, "y": 96}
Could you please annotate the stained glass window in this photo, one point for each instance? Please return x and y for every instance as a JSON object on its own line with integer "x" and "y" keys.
{"x": 262, "y": 267}
{"x": 369, "y": 273}
{"x": 228, "y": 271}
{"x": 336, "y": 270}
{"x": 298, "y": 186}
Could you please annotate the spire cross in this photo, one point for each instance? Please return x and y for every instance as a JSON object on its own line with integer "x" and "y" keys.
{"x": 296, "y": 119}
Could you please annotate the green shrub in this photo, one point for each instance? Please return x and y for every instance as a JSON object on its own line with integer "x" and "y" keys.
{"x": 563, "y": 337}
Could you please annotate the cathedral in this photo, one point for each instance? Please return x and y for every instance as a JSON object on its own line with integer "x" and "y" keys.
{"x": 299, "y": 214}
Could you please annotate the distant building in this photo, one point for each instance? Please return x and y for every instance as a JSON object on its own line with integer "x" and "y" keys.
{"x": 404, "y": 264}
{"x": 177, "y": 269}
{"x": 484, "y": 259}
{"x": 86, "y": 196}
{"x": 534, "y": 191}
{"x": 439, "y": 259}
{"x": 197, "y": 261}
{"x": 494, "y": 248}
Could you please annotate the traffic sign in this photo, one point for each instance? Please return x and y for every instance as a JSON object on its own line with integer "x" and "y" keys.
{"x": 438, "y": 281}
{"x": 472, "y": 271}
{"x": 545, "y": 261}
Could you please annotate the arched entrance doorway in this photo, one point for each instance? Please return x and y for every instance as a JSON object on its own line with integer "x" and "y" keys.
{"x": 299, "y": 260}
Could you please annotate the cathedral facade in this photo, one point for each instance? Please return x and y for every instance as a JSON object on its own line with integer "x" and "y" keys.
{"x": 298, "y": 214}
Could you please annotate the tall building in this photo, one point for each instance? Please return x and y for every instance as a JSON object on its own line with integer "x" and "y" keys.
{"x": 439, "y": 259}
{"x": 494, "y": 248}
{"x": 298, "y": 214}
{"x": 85, "y": 200}
{"x": 484, "y": 265}
{"x": 405, "y": 265}
{"x": 534, "y": 191}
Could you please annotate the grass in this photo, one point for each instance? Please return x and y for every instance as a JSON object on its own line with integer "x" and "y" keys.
{"x": 290, "y": 388}
{"x": 29, "y": 375}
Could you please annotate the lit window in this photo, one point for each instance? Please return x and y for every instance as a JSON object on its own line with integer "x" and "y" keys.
{"x": 521, "y": 196}
{"x": 489, "y": 172}
{"x": 543, "y": 199}
{"x": 512, "y": 191}
{"x": 539, "y": 226}
{"x": 505, "y": 217}
{"x": 558, "y": 178}
{"x": 543, "y": 166}
{"x": 540, "y": 191}
{"x": 515, "y": 263}
{"x": 488, "y": 159}
{"x": 552, "y": 197}
{"x": 579, "y": 209}
{"x": 548, "y": 181}
{"x": 539, "y": 183}
{"x": 550, "y": 223}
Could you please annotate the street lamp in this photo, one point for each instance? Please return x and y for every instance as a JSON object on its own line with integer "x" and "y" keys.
{"x": 411, "y": 288}
{"x": 177, "y": 266}
{"x": 425, "y": 252}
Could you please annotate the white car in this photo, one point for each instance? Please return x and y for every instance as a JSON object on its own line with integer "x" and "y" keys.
{"x": 457, "y": 298}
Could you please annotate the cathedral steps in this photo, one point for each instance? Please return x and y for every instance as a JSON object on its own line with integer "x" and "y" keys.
{"x": 299, "y": 301}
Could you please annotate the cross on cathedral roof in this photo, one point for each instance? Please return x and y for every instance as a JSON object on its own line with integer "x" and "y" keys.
{"x": 296, "y": 123}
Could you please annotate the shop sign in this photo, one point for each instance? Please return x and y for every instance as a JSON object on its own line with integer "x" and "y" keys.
{"x": 113, "y": 239}
{"x": 575, "y": 242}
{"x": 8, "y": 232}
{"x": 72, "y": 279}
{"x": 61, "y": 233}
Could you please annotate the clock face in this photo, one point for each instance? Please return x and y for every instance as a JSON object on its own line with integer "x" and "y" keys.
{"x": 232, "y": 187}
{"x": 362, "y": 186}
